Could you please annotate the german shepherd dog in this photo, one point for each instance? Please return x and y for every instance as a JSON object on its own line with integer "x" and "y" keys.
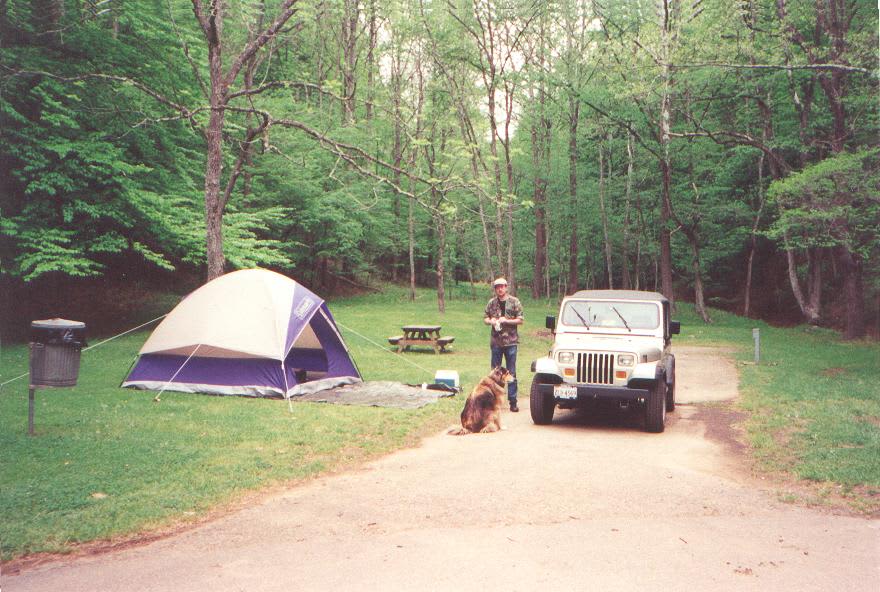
{"x": 482, "y": 410}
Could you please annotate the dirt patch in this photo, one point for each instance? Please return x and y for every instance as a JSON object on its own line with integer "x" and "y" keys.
{"x": 873, "y": 420}
{"x": 833, "y": 372}
{"x": 722, "y": 423}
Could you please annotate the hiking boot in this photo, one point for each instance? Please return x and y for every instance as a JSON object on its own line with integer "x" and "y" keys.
{"x": 514, "y": 408}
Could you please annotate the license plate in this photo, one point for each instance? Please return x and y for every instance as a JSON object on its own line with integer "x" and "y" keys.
{"x": 564, "y": 391}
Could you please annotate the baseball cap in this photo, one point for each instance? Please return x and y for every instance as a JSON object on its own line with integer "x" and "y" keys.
{"x": 499, "y": 282}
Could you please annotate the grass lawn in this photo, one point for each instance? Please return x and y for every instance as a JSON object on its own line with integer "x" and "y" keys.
{"x": 108, "y": 462}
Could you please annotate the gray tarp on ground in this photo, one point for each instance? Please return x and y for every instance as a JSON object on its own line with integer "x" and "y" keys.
{"x": 378, "y": 394}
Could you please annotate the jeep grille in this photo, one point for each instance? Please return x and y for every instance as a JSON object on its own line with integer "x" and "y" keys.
{"x": 595, "y": 368}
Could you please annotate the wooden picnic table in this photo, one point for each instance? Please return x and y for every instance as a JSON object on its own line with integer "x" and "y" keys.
{"x": 421, "y": 335}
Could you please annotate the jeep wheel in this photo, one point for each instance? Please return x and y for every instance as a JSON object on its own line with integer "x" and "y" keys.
{"x": 541, "y": 406}
{"x": 670, "y": 397}
{"x": 655, "y": 407}
{"x": 670, "y": 391}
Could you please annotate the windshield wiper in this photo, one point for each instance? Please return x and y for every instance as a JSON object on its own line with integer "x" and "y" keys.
{"x": 583, "y": 320}
{"x": 614, "y": 308}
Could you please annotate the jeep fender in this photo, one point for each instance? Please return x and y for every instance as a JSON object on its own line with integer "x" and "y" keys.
{"x": 645, "y": 371}
{"x": 546, "y": 370}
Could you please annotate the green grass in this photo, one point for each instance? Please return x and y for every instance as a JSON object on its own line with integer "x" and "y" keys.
{"x": 109, "y": 462}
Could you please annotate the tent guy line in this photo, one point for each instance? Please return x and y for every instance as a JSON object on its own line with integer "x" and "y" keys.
{"x": 383, "y": 348}
{"x": 100, "y": 343}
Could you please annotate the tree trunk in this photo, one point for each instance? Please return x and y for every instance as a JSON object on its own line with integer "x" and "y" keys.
{"x": 214, "y": 165}
{"x": 440, "y": 222}
{"x": 835, "y": 18}
{"x": 540, "y": 240}
{"x": 396, "y": 153}
{"x": 511, "y": 191}
{"x": 573, "y": 119}
{"x": 665, "y": 168}
{"x": 540, "y": 155}
{"x": 809, "y": 308}
{"x": 665, "y": 261}
{"x": 853, "y": 290}
{"x": 371, "y": 58}
{"x": 349, "y": 58}
{"x": 467, "y": 137}
{"x": 699, "y": 300}
{"x": 607, "y": 241}
{"x": 766, "y": 134}
{"x": 496, "y": 169}
{"x": 411, "y": 250}
{"x": 749, "y": 267}
{"x": 624, "y": 269}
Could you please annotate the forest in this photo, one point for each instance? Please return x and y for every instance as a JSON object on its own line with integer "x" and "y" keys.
{"x": 724, "y": 153}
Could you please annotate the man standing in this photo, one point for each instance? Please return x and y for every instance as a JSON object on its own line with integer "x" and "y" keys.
{"x": 504, "y": 312}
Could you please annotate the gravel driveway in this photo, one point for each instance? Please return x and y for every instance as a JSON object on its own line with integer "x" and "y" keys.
{"x": 584, "y": 504}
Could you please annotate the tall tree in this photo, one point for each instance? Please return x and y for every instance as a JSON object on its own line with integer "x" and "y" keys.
{"x": 222, "y": 80}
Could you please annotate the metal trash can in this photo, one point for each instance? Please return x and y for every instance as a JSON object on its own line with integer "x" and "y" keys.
{"x": 54, "y": 352}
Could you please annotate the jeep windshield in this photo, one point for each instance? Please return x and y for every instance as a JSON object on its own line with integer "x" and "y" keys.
{"x": 599, "y": 315}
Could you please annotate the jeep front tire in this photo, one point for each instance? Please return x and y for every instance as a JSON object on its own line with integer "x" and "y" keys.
{"x": 670, "y": 390}
{"x": 540, "y": 405}
{"x": 655, "y": 407}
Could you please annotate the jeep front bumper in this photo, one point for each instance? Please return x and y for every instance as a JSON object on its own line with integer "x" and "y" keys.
{"x": 593, "y": 392}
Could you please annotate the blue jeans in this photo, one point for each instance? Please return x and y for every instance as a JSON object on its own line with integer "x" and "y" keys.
{"x": 509, "y": 353}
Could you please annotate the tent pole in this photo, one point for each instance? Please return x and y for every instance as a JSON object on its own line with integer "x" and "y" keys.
{"x": 170, "y": 380}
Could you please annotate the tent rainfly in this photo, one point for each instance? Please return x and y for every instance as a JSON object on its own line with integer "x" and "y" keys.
{"x": 250, "y": 332}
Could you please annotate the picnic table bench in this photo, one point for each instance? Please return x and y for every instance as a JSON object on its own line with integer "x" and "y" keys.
{"x": 421, "y": 335}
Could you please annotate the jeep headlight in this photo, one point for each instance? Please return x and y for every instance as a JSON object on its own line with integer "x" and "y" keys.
{"x": 626, "y": 360}
{"x": 566, "y": 357}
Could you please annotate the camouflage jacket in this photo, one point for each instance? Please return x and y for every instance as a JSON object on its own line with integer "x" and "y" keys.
{"x": 513, "y": 310}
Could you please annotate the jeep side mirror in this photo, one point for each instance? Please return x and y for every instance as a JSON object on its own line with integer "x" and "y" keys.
{"x": 550, "y": 323}
{"x": 674, "y": 327}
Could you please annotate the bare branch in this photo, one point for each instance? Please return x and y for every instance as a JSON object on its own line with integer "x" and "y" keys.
{"x": 248, "y": 92}
{"x": 286, "y": 11}
{"x": 786, "y": 67}
{"x": 193, "y": 67}
{"x": 242, "y": 156}
{"x": 183, "y": 110}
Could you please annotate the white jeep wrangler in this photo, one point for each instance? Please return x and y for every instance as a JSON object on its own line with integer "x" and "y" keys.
{"x": 610, "y": 345}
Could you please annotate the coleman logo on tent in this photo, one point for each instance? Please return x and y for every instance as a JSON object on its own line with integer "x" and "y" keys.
{"x": 303, "y": 308}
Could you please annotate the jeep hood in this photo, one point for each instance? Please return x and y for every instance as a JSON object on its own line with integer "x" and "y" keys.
{"x": 642, "y": 345}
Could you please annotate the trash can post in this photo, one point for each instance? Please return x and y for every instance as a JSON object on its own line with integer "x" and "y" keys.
{"x": 756, "y": 335}
{"x": 31, "y": 411}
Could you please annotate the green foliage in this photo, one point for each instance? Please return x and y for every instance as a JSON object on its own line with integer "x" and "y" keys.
{"x": 97, "y": 174}
{"x": 833, "y": 202}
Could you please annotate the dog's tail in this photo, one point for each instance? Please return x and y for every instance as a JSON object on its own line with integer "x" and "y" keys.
{"x": 456, "y": 431}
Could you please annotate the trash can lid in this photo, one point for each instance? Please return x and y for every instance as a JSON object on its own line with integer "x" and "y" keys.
{"x": 57, "y": 323}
